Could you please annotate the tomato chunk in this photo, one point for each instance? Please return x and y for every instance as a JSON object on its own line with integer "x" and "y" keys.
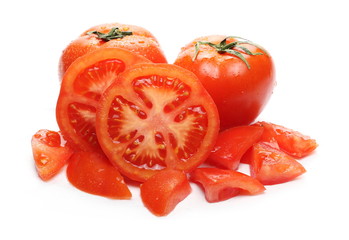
{"x": 272, "y": 166}
{"x": 163, "y": 191}
{"x": 50, "y": 153}
{"x": 154, "y": 117}
{"x": 232, "y": 144}
{"x": 223, "y": 184}
{"x": 292, "y": 142}
{"x": 91, "y": 172}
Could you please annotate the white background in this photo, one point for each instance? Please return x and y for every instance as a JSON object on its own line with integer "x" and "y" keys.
{"x": 309, "y": 43}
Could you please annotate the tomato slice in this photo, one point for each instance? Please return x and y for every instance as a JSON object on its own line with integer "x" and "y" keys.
{"x": 292, "y": 142}
{"x": 92, "y": 172}
{"x": 50, "y": 153}
{"x": 162, "y": 192}
{"x": 156, "y": 116}
{"x": 232, "y": 144}
{"x": 223, "y": 184}
{"x": 82, "y": 86}
{"x": 272, "y": 166}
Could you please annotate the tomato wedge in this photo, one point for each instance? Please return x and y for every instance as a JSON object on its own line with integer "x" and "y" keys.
{"x": 223, "y": 184}
{"x": 232, "y": 144}
{"x": 272, "y": 166}
{"x": 92, "y": 173}
{"x": 154, "y": 117}
{"x": 162, "y": 192}
{"x": 50, "y": 153}
{"x": 292, "y": 142}
{"x": 82, "y": 86}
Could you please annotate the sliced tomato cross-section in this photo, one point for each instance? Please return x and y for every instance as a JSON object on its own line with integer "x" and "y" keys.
{"x": 154, "y": 117}
{"x": 82, "y": 86}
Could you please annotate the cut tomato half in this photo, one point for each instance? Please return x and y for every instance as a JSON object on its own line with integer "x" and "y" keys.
{"x": 82, "y": 86}
{"x": 154, "y": 117}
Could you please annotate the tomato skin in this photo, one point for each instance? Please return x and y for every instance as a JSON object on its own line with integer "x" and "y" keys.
{"x": 141, "y": 42}
{"x": 159, "y": 122}
{"x": 50, "y": 153}
{"x": 92, "y": 172}
{"x": 232, "y": 144}
{"x": 223, "y": 184}
{"x": 292, "y": 142}
{"x": 163, "y": 191}
{"x": 272, "y": 166}
{"x": 69, "y": 93}
{"x": 239, "y": 93}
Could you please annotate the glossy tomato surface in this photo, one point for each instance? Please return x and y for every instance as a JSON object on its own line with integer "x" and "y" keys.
{"x": 50, "y": 152}
{"x": 162, "y": 192}
{"x": 81, "y": 89}
{"x": 290, "y": 141}
{"x": 92, "y": 173}
{"x": 155, "y": 117}
{"x": 272, "y": 166}
{"x": 240, "y": 91}
{"x": 141, "y": 41}
{"x": 232, "y": 144}
{"x": 222, "y": 184}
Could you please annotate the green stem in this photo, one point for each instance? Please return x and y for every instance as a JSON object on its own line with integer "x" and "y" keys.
{"x": 223, "y": 47}
{"x": 114, "y": 33}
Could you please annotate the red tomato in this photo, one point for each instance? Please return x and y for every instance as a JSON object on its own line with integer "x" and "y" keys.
{"x": 81, "y": 89}
{"x": 50, "y": 153}
{"x": 92, "y": 173}
{"x": 222, "y": 184}
{"x": 272, "y": 166}
{"x": 162, "y": 192}
{"x": 237, "y": 74}
{"x": 156, "y": 116}
{"x": 232, "y": 144}
{"x": 132, "y": 38}
{"x": 292, "y": 142}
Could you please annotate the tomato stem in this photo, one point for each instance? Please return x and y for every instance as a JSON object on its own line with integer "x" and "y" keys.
{"x": 223, "y": 47}
{"x": 114, "y": 33}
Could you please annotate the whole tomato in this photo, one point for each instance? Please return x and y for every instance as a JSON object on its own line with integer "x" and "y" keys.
{"x": 132, "y": 38}
{"x": 238, "y": 74}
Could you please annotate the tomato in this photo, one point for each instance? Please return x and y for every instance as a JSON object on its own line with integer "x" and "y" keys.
{"x": 81, "y": 89}
{"x": 223, "y": 184}
{"x": 238, "y": 75}
{"x": 50, "y": 153}
{"x": 162, "y": 192}
{"x": 272, "y": 166}
{"x": 154, "y": 117}
{"x": 129, "y": 37}
{"x": 92, "y": 172}
{"x": 232, "y": 144}
{"x": 292, "y": 142}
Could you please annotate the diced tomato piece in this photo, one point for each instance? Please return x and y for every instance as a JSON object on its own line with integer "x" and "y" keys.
{"x": 232, "y": 144}
{"x": 292, "y": 142}
{"x": 223, "y": 184}
{"x": 163, "y": 191}
{"x": 50, "y": 153}
{"x": 92, "y": 172}
{"x": 272, "y": 166}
